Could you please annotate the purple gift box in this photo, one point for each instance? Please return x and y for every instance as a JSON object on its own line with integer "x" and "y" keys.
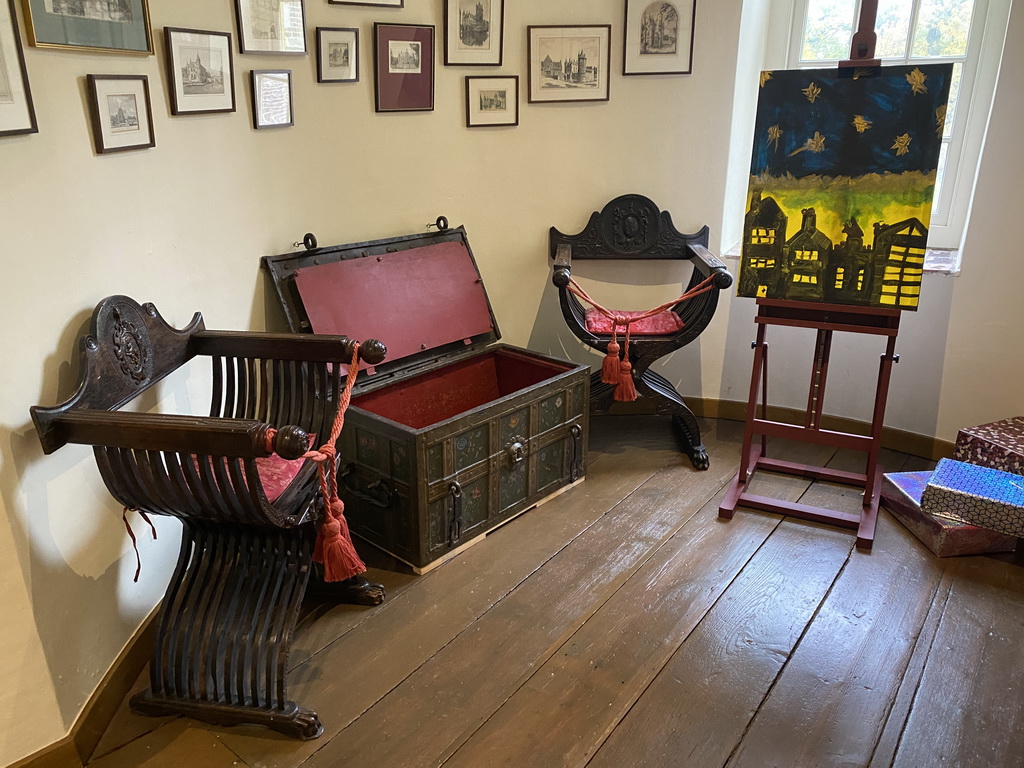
{"x": 982, "y": 496}
{"x": 945, "y": 537}
{"x": 999, "y": 445}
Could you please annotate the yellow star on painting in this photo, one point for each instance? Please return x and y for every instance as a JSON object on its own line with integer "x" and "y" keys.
{"x": 765, "y": 77}
{"x": 902, "y": 144}
{"x": 774, "y": 134}
{"x": 916, "y": 79}
{"x": 861, "y": 123}
{"x": 815, "y": 144}
{"x": 811, "y": 92}
{"x": 940, "y": 121}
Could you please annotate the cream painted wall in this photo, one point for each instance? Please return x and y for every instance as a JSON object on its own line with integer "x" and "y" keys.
{"x": 183, "y": 225}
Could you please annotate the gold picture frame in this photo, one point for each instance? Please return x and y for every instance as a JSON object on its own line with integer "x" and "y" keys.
{"x": 122, "y": 26}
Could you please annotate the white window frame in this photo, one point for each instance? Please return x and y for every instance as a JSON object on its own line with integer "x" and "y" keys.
{"x": 974, "y": 103}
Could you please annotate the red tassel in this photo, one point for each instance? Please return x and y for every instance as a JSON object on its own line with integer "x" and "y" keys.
{"x": 625, "y": 391}
{"x": 335, "y": 548}
{"x": 610, "y": 366}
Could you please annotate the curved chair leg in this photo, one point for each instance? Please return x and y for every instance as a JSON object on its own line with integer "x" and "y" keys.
{"x": 225, "y": 627}
{"x": 601, "y": 394}
{"x": 684, "y": 424}
{"x": 357, "y": 590}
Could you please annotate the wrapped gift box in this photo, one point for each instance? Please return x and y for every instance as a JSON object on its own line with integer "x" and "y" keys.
{"x": 999, "y": 445}
{"x": 981, "y": 496}
{"x": 944, "y": 536}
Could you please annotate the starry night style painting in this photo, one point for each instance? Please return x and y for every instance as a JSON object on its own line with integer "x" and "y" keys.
{"x": 842, "y": 177}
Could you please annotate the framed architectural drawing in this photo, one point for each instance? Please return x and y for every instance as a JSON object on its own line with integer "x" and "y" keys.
{"x": 17, "y": 115}
{"x": 112, "y": 26}
{"x": 658, "y": 37}
{"x": 272, "y": 98}
{"x": 200, "y": 73}
{"x": 337, "y": 55}
{"x": 271, "y": 26}
{"x": 381, "y": 3}
{"x": 492, "y": 100}
{"x": 568, "y": 63}
{"x": 474, "y": 32}
{"x": 403, "y": 56}
{"x": 842, "y": 175}
{"x": 122, "y": 116}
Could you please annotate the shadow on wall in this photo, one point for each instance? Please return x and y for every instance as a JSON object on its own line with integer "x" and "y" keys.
{"x": 913, "y": 402}
{"x": 70, "y": 542}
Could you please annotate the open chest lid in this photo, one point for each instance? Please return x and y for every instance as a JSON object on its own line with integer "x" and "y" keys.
{"x": 421, "y": 295}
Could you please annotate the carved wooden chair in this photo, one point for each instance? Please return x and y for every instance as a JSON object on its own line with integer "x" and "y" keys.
{"x": 247, "y": 504}
{"x": 631, "y": 227}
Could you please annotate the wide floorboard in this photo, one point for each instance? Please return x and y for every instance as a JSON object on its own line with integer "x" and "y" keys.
{"x": 624, "y": 624}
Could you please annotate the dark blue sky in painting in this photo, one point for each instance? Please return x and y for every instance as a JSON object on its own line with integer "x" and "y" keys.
{"x": 820, "y": 136}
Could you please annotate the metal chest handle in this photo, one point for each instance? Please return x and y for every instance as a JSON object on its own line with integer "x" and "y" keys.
{"x": 455, "y": 529}
{"x": 376, "y": 493}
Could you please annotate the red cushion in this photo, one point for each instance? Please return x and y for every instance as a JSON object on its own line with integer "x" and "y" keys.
{"x": 662, "y": 324}
{"x": 276, "y": 474}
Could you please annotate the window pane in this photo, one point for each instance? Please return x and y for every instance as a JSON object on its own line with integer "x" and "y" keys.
{"x": 954, "y": 92}
{"x": 942, "y": 28}
{"x": 940, "y": 173}
{"x": 892, "y": 26}
{"x": 828, "y": 31}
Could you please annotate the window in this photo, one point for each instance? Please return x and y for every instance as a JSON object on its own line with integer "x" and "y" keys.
{"x": 968, "y": 33}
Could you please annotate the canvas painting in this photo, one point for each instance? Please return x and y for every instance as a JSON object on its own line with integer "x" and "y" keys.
{"x": 842, "y": 178}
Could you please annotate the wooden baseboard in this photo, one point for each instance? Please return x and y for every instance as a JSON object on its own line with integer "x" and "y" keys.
{"x": 75, "y": 749}
{"x": 733, "y": 410}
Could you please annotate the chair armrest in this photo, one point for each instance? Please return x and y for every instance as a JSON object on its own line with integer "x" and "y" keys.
{"x": 562, "y": 265}
{"x": 311, "y": 348}
{"x": 204, "y": 435}
{"x": 709, "y": 264}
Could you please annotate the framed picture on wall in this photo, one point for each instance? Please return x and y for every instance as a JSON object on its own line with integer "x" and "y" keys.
{"x": 474, "y": 32}
{"x": 568, "y": 63}
{"x": 122, "y": 116}
{"x": 271, "y": 26}
{"x": 200, "y": 72}
{"x": 337, "y": 55}
{"x": 381, "y": 3}
{"x": 403, "y": 56}
{"x": 17, "y": 115}
{"x": 115, "y": 25}
{"x": 659, "y": 37}
{"x": 272, "y": 98}
{"x": 492, "y": 100}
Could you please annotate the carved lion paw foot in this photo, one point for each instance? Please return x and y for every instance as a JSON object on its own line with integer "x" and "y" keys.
{"x": 699, "y": 459}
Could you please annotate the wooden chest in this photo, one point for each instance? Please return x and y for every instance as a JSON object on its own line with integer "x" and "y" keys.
{"x": 454, "y": 434}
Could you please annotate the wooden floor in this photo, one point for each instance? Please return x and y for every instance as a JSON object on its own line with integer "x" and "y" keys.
{"x": 623, "y": 624}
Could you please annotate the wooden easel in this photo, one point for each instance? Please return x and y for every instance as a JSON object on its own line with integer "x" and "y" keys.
{"x": 826, "y": 319}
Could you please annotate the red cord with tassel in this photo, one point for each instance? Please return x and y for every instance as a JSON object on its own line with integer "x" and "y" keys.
{"x": 616, "y": 371}
{"x": 334, "y": 548}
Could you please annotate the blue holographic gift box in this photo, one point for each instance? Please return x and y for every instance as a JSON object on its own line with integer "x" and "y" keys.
{"x": 982, "y": 496}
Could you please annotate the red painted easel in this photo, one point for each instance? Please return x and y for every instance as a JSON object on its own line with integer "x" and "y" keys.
{"x": 826, "y": 319}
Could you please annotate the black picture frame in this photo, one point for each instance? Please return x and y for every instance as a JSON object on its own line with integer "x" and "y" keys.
{"x": 657, "y": 38}
{"x": 261, "y": 31}
{"x": 122, "y": 112}
{"x": 17, "y": 112}
{"x": 375, "y": 4}
{"x": 337, "y": 55}
{"x": 492, "y": 100}
{"x": 474, "y": 32}
{"x": 272, "y": 105}
{"x": 204, "y": 84}
{"x": 403, "y": 56}
{"x": 586, "y": 46}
